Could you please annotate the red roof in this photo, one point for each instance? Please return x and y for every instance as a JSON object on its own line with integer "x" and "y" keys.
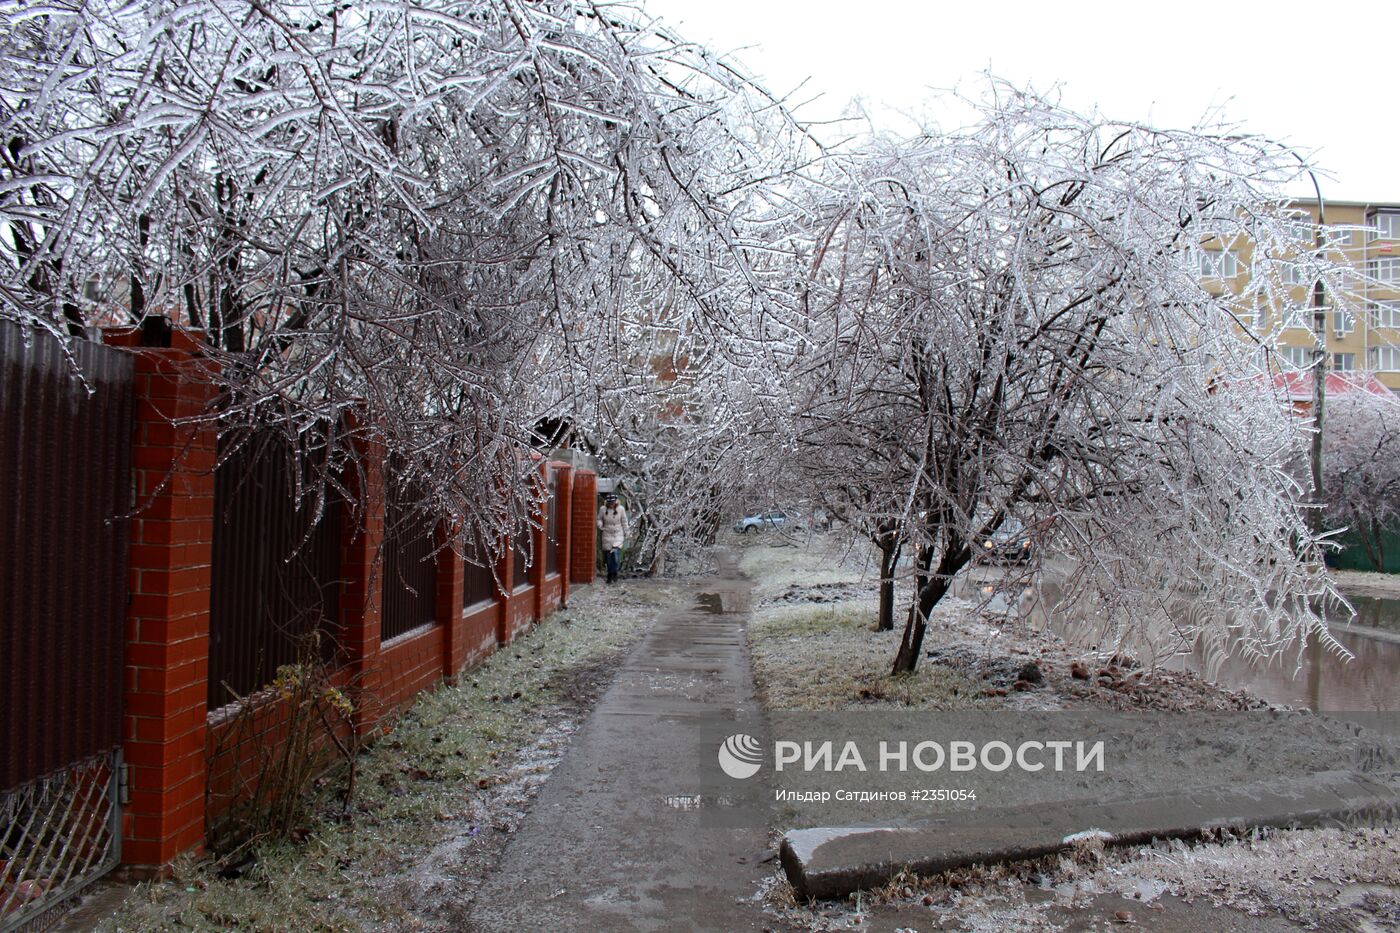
{"x": 1299, "y": 384}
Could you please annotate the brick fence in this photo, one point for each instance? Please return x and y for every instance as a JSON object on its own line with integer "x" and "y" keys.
{"x": 182, "y": 764}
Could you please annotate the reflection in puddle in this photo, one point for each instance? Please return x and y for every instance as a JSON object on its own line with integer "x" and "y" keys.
{"x": 725, "y": 602}
{"x": 1376, "y": 612}
{"x": 1319, "y": 679}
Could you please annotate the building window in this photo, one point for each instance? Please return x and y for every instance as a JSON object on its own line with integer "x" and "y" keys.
{"x": 1343, "y": 321}
{"x": 1219, "y": 264}
{"x": 1385, "y": 359}
{"x": 1295, "y": 357}
{"x": 1385, "y": 269}
{"x": 1387, "y": 226}
{"x": 1299, "y": 230}
{"x": 1337, "y": 236}
{"x": 1343, "y": 362}
{"x": 1385, "y": 313}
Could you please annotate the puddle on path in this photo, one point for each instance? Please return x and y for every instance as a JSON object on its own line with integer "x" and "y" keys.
{"x": 725, "y": 602}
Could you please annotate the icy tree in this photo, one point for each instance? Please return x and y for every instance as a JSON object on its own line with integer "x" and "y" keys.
{"x": 677, "y": 420}
{"x": 677, "y": 447}
{"x": 1008, "y": 323}
{"x": 1362, "y": 467}
{"x": 405, "y": 224}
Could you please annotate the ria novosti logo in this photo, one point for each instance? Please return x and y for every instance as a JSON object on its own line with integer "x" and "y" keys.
{"x": 740, "y": 756}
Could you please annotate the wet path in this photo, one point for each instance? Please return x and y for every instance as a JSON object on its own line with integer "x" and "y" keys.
{"x": 620, "y": 838}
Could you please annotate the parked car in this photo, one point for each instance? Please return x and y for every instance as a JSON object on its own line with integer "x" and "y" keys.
{"x": 771, "y": 519}
{"x": 1009, "y": 544}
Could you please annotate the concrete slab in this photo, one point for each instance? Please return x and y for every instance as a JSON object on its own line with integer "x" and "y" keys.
{"x": 832, "y": 862}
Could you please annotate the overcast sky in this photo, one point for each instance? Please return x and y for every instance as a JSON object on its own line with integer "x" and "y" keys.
{"x": 1169, "y": 63}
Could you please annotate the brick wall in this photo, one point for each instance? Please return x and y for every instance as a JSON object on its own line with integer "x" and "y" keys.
{"x": 408, "y": 665}
{"x": 478, "y": 632}
{"x": 361, "y": 593}
{"x": 551, "y": 595}
{"x": 451, "y": 581}
{"x": 182, "y": 763}
{"x": 566, "y": 530}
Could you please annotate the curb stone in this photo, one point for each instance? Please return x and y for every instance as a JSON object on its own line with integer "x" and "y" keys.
{"x": 831, "y": 862}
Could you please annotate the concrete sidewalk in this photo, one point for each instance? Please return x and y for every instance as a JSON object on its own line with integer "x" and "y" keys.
{"x": 620, "y": 838}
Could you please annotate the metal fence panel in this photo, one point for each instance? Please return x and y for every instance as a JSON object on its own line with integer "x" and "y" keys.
{"x": 65, "y": 447}
{"x": 522, "y": 555}
{"x": 276, "y": 569}
{"x": 410, "y": 562}
{"x": 479, "y": 584}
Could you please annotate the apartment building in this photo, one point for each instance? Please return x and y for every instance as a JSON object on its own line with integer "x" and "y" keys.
{"x": 1364, "y": 340}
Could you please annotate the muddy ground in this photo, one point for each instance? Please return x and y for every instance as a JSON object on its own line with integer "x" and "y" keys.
{"x": 1366, "y": 583}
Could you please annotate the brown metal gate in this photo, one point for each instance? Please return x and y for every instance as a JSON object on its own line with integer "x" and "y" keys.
{"x": 65, "y": 439}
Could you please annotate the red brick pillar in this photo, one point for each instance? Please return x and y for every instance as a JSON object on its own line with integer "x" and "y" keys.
{"x": 361, "y": 603}
{"x": 540, "y": 539}
{"x": 167, "y": 650}
{"x": 505, "y": 577}
{"x": 451, "y": 582}
{"x": 583, "y": 535}
{"x": 565, "y": 492}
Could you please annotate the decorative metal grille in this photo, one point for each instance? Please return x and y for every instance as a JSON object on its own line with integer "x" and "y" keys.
{"x": 60, "y": 834}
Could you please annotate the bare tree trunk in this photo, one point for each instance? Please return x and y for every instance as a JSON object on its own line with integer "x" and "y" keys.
{"x": 1371, "y": 539}
{"x": 932, "y": 588}
{"x": 890, "y": 546}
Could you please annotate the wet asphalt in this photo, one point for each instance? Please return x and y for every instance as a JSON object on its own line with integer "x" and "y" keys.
{"x": 624, "y": 836}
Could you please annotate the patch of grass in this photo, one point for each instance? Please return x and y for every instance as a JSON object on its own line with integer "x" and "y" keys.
{"x": 774, "y": 567}
{"x": 818, "y": 619}
{"x": 413, "y": 783}
{"x": 827, "y": 657}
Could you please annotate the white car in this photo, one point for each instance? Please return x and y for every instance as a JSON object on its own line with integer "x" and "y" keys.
{"x": 763, "y": 521}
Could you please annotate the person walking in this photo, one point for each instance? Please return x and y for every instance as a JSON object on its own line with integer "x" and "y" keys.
{"x": 612, "y": 522}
